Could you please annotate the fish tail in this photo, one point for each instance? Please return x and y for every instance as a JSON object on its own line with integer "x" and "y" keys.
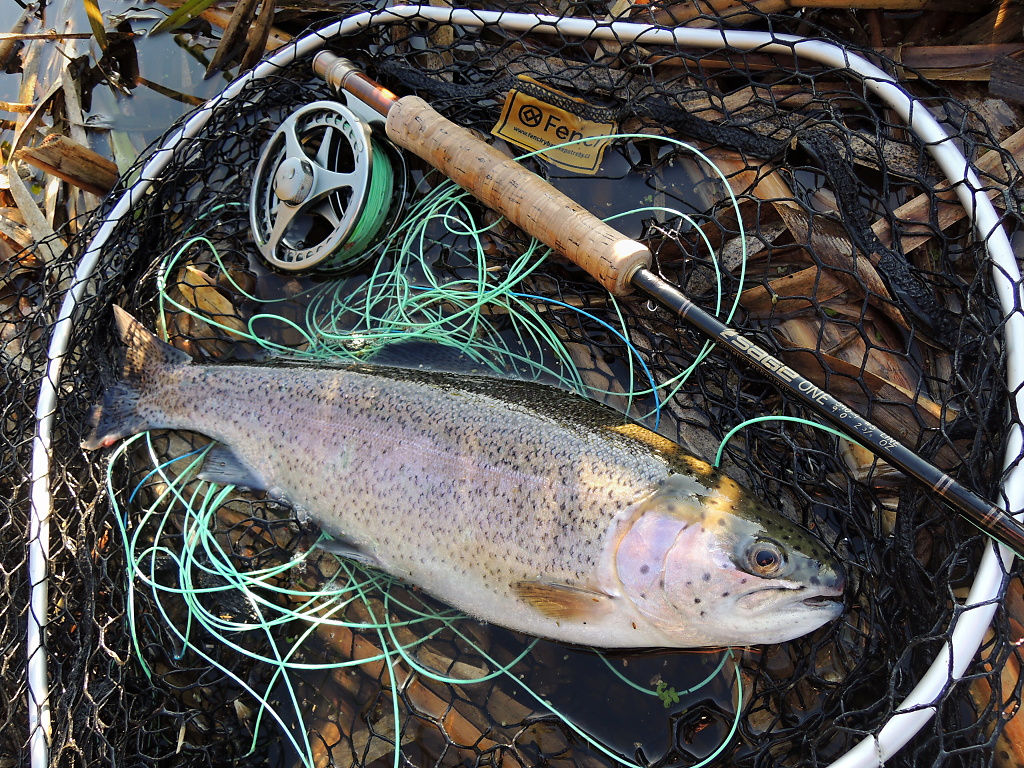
{"x": 146, "y": 359}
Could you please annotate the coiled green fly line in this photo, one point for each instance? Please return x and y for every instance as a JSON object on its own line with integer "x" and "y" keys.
{"x": 375, "y": 209}
{"x": 402, "y": 296}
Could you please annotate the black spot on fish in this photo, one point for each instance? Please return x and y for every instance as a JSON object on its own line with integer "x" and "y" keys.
{"x": 661, "y": 582}
{"x": 814, "y": 581}
{"x": 725, "y": 594}
{"x": 645, "y": 568}
{"x": 703, "y": 613}
{"x": 743, "y": 581}
{"x": 696, "y": 600}
{"x": 707, "y": 577}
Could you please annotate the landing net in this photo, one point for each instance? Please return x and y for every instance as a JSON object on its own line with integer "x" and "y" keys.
{"x": 180, "y": 615}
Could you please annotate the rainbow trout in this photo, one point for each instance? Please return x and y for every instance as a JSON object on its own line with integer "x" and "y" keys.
{"x": 518, "y": 503}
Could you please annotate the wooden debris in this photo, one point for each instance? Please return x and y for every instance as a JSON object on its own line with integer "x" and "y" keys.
{"x": 1002, "y": 24}
{"x": 738, "y": 11}
{"x": 16, "y": 232}
{"x": 76, "y": 164}
{"x": 1007, "y": 79}
{"x": 209, "y": 324}
{"x": 221, "y": 19}
{"x": 950, "y": 211}
{"x": 827, "y": 238}
{"x": 1009, "y": 746}
{"x": 904, "y": 414}
{"x": 275, "y": 37}
{"x": 951, "y": 62}
{"x": 42, "y": 230}
{"x": 201, "y": 291}
{"x": 791, "y": 293}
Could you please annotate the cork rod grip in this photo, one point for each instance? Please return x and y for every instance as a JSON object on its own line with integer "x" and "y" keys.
{"x": 521, "y": 196}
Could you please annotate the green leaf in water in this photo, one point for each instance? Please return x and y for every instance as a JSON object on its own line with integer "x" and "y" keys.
{"x": 92, "y": 10}
{"x": 188, "y": 11}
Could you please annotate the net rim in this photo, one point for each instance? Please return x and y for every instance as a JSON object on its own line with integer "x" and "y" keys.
{"x": 972, "y": 619}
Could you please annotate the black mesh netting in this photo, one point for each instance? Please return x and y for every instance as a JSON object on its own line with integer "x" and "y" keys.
{"x": 860, "y": 274}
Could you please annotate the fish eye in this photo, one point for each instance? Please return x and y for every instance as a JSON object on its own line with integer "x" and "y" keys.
{"x": 766, "y": 558}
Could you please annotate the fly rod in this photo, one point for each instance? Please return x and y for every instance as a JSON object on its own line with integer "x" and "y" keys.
{"x": 621, "y": 264}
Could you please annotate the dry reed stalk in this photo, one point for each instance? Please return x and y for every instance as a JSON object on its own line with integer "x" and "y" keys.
{"x": 234, "y": 34}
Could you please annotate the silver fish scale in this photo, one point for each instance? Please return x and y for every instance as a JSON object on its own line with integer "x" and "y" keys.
{"x": 442, "y": 479}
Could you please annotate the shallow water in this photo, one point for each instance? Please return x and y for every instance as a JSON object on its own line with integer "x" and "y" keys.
{"x": 137, "y": 89}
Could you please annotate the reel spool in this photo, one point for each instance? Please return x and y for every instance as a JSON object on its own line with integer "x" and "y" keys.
{"x": 322, "y": 191}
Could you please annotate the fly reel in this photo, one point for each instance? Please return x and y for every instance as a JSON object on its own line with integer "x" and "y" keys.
{"x": 322, "y": 192}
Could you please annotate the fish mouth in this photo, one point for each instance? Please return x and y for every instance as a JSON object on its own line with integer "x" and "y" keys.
{"x": 823, "y": 598}
{"x": 827, "y": 597}
{"x": 822, "y": 601}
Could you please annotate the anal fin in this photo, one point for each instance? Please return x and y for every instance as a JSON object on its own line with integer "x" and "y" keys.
{"x": 223, "y": 466}
{"x": 564, "y": 602}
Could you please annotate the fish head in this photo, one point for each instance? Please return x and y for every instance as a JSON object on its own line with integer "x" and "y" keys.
{"x": 710, "y": 565}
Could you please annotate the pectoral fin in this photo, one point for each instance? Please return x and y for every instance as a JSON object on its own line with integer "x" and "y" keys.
{"x": 564, "y": 601}
{"x": 342, "y": 548}
{"x": 223, "y": 466}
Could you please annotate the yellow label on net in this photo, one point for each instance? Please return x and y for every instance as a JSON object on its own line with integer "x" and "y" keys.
{"x": 533, "y": 123}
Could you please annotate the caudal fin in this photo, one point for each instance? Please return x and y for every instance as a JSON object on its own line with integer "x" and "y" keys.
{"x": 145, "y": 358}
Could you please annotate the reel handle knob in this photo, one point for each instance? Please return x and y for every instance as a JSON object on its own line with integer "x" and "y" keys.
{"x": 524, "y": 198}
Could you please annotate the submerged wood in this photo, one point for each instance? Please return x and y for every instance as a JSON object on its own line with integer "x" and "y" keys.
{"x": 259, "y": 36}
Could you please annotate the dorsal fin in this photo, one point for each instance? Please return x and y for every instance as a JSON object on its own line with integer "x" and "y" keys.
{"x": 144, "y": 352}
{"x": 561, "y": 601}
